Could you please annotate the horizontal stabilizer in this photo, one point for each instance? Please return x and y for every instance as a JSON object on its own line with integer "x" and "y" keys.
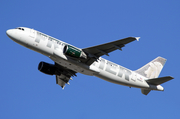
{"x": 158, "y": 81}
{"x": 145, "y": 91}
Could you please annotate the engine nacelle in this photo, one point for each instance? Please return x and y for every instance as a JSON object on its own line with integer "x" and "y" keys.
{"x": 74, "y": 52}
{"x": 46, "y": 68}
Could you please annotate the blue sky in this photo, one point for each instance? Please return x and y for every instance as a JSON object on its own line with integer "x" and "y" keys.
{"x": 27, "y": 93}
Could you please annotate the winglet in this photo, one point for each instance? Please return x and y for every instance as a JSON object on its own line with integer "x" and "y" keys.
{"x": 63, "y": 87}
{"x": 137, "y": 38}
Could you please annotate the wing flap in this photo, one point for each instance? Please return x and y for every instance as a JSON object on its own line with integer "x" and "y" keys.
{"x": 60, "y": 82}
{"x": 65, "y": 75}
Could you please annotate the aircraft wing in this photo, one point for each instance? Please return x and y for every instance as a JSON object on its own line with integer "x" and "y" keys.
{"x": 65, "y": 75}
{"x": 103, "y": 49}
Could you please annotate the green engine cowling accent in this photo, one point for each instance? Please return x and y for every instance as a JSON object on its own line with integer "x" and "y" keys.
{"x": 74, "y": 52}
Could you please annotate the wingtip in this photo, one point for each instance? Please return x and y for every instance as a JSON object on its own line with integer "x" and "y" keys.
{"x": 63, "y": 87}
{"x": 137, "y": 38}
{"x": 171, "y": 77}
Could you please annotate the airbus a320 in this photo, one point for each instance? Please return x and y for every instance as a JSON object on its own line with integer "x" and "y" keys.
{"x": 70, "y": 60}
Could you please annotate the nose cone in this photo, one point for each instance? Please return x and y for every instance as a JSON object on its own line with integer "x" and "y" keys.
{"x": 9, "y": 33}
{"x": 17, "y": 36}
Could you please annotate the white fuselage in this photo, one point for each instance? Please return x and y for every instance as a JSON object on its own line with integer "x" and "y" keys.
{"x": 102, "y": 68}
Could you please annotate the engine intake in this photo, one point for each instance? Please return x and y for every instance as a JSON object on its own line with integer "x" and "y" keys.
{"x": 74, "y": 52}
{"x": 47, "y": 68}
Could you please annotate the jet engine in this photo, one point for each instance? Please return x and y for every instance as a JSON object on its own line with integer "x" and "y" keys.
{"x": 74, "y": 52}
{"x": 47, "y": 68}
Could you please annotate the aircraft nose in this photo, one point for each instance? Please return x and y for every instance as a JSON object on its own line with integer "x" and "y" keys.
{"x": 9, "y": 32}
{"x": 12, "y": 34}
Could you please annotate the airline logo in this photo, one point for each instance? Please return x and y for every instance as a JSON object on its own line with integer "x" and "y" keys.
{"x": 154, "y": 69}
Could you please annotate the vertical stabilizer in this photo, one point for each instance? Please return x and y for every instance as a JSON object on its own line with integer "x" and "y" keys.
{"x": 153, "y": 68}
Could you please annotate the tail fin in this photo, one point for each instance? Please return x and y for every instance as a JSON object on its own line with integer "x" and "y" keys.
{"x": 153, "y": 68}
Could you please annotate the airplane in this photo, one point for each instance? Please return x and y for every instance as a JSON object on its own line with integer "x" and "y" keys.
{"x": 69, "y": 60}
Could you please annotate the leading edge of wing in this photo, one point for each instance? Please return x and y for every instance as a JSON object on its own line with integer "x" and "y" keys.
{"x": 106, "y": 48}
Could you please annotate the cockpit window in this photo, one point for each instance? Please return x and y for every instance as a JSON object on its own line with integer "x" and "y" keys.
{"x": 20, "y": 28}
